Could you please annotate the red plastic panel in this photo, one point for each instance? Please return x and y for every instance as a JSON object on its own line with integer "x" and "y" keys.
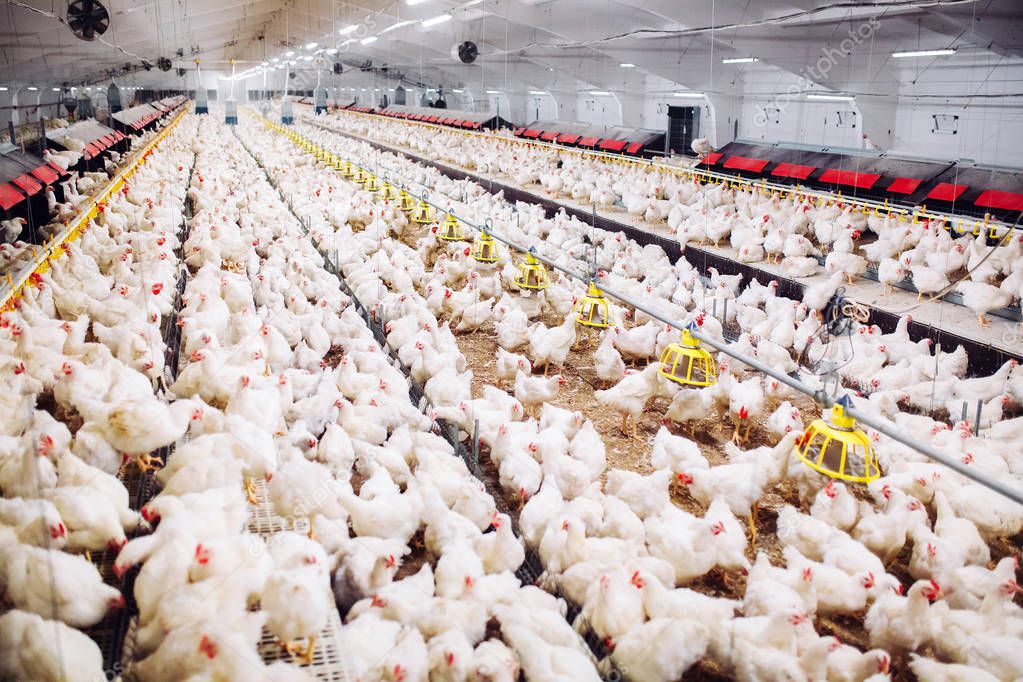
{"x": 568, "y": 138}
{"x": 588, "y": 142}
{"x": 531, "y": 133}
{"x": 712, "y": 158}
{"x": 57, "y": 169}
{"x": 9, "y": 196}
{"x": 946, "y": 191}
{"x": 29, "y": 184}
{"x": 992, "y": 198}
{"x": 793, "y": 170}
{"x": 549, "y": 135}
{"x": 46, "y": 174}
{"x": 614, "y": 145}
{"x": 851, "y": 178}
{"x": 904, "y": 185}
{"x": 745, "y": 163}
{"x": 634, "y": 148}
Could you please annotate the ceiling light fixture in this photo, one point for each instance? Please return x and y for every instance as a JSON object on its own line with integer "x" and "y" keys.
{"x": 289, "y": 53}
{"x": 310, "y": 46}
{"x": 349, "y": 29}
{"x": 55, "y": 89}
{"x": 397, "y": 25}
{"x": 32, "y": 88}
{"x": 600, "y": 93}
{"x": 493, "y": 92}
{"x": 831, "y": 98}
{"x": 457, "y": 91}
{"x": 687, "y": 94}
{"x": 410, "y": 3}
{"x": 740, "y": 60}
{"x": 369, "y": 40}
{"x": 924, "y": 53}
{"x": 627, "y": 65}
{"x": 3, "y": 88}
{"x": 439, "y": 19}
{"x": 537, "y": 92}
{"x": 332, "y": 50}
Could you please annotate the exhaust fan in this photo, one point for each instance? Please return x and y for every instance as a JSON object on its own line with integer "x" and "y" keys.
{"x": 163, "y": 64}
{"x": 87, "y": 19}
{"x": 465, "y": 52}
{"x": 338, "y": 68}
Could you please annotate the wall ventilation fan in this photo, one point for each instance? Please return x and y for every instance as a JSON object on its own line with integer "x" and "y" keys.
{"x": 466, "y": 52}
{"x": 87, "y": 18}
{"x": 338, "y": 68}
{"x": 163, "y": 64}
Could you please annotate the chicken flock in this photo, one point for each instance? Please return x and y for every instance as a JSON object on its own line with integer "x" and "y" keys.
{"x": 933, "y": 255}
{"x": 283, "y": 397}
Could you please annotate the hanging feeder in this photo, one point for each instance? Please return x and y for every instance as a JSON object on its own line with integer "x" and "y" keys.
{"x": 451, "y": 230}
{"x": 408, "y": 204}
{"x": 357, "y": 175}
{"x": 423, "y": 213}
{"x": 687, "y": 363}
{"x": 594, "y": 310}
{"x": 348, "y": 170}
{"x": 370, "y": 183}
{"x": 532, "y": 273}
{"x": 837, "y": 448}
{"x": 389, "y": 192}
{"x": 484, "y": 248}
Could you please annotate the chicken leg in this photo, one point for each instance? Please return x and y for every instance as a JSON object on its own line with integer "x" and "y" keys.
{"x": 250, "y": 491}
{"x": 983, "y": 321}
{"x": 307, "y": 655}
{"x": 753, "y": 523}
{"x": 625, "y": 424}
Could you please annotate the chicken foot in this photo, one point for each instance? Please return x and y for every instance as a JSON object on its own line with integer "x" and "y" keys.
{"x": 983, "y": 321}
{"x": 297, "y": 651}
{"x": 146, "y": 462}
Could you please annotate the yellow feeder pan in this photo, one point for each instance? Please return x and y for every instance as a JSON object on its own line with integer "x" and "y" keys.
{"x": 408, "y": 204}
{"x": 687, "y": 363}
{"x": 451, "y": 230}
{"x": 389, "y": 192}
{"x": 348, "y": 169}
{"x": 594, "y": 310}
{"x": 371, "y": 183}
{"x": 357, "y": 175}
{"x": 532, "y": 273}
{"x": 423, "y": 213}
{"x": 484, "y": 248}
{"x": 836, "y": 448}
